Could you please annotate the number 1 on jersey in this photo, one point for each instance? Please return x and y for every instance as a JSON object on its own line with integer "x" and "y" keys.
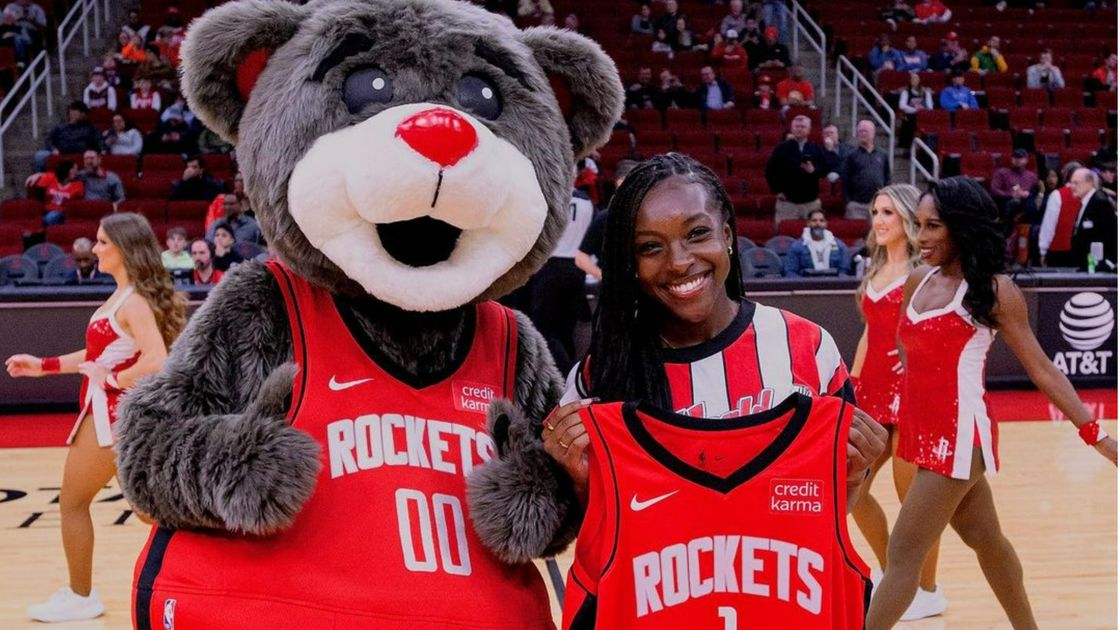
{"x": 730, "y": 617}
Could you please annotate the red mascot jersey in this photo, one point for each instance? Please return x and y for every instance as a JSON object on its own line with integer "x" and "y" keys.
{"x": 384, "y": 542}
{"x": 728, "y": 524}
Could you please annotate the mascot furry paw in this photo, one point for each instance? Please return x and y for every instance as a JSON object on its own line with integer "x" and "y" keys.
{"x": 306, "y": 448}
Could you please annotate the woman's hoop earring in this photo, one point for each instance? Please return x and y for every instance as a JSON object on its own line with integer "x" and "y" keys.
{"x": 730, "y": 251}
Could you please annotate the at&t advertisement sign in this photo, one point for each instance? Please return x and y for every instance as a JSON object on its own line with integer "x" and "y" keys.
{"x": 1078, "y": 333}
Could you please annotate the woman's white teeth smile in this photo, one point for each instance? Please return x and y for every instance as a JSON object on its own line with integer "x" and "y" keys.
{"x": 689, "y": 288}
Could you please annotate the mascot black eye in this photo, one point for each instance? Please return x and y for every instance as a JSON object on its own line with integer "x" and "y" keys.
{"x": 479, "y": 97}
{"x": 365, "y": 86}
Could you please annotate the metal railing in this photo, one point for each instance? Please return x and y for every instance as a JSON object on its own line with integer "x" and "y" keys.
{"x": 917, "y": 168}
{"x": 36, "y": 74}
{"x": 802, "y": 23}
{"x": 854, "y": 81}
{"x": 77, "y": 18}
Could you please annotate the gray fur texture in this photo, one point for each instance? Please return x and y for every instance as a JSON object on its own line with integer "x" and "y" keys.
{"x": 204, "y": 443}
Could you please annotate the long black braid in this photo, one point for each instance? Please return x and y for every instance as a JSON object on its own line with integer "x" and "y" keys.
{"x": 972, "y": 218}
{"x": 626, "y": 361}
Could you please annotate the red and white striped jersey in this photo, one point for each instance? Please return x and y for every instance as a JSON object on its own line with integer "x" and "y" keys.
{"x": 765, "y": 355}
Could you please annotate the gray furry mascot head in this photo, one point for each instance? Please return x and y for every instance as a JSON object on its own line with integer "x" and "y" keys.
{"x": 409, "y": 160}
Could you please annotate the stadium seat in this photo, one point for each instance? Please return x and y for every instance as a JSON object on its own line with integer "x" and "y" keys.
{"x": 1001, "y": 98}
{"x": 768, "y": 139}
{"x": 162, "y": 162}
{"x": 1038, "y": 98}
{"x": 758, "y": 230}
{"x": 1049, "y": 140}
{"x": 122, "y": 165}
{"x": 780, "y": 244}
{"x": 64, "y": 235}
{"x": 642, "y": 119}
{"x": 1001, "y": 79}
{"x": 933, "y": 121}
{"x": 180, "y": 211}
{"x": 956, "y": 142}
{"x": 152, "y": 186}
{"x": 58, "y": 268}
{"x": 43, "y": 253}
{"x": 994, "y": 141}
{"x": 17, "y": 268}
{"x": 1058, "y": 117}
{"x": 1092, "y": 118}
{"x": 1023, "y": 118}
{"x": 978, "y": 165}
{"x": 655, "y": 141}
{"x": 54, "y": 160}
{"x": 745, "y": 244}
{"x": 694, "y": 139}
{"x": 1069, "y": 97}
{"x": 1086, "y": 137}
{"x": 760, "y": 262}
{"x": 85, "y": 209}
{"x": 737, "y": 141}
{"x": 791, "y": 228}
{"x": 27, "y": 212}
{"x": 724, "y": 118}
{"x": 970, "y": 119}
{"x": 682, "y": 119}
{"x": 152, "y": 209}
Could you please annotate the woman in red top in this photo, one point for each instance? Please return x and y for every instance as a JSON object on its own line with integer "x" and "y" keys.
{"x": 951, "y": 311}
{"x": 126, "y": 340}
{"x": 877, "y": 372}
{"x": 59, "y": 187}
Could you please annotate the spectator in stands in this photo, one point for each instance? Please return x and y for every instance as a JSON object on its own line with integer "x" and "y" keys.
{"x": 98, "y": 92}
{"x": 1045, "y": 74}
{"x": 59, "y": 187}
{"x": 1076, "y": 219}
{"x": 156, "y": 68}
{"x": 642, "y": 21}
{"x": 1104, "y": 77}
{"x": 243, "y": 227}
{"x": 144, "y": 97}
{"x": 911, "y": 100}
{"x": 932, "y": 12}
{"x": 671, "y": 94}
{"x": 773, "y": 14}
{"x": 135, "y": 51}
{"x": 1108, "y": 179}
{"x": 685, "y": 38}
{"x": 112, "y": 74}
{"x": 1013, "y": 188}
{"x": 714, "y": 92}
{"x": 175, "y": 134}
{"x": 31, "y": 19}
{"x": 913, "y": 59}
{"x": 224, "y": 254}
{"x": 899, "y": 11}
{"x": 217, "y": 209}
{"x": 178, "y": 108}
{"x": 122, "y": 138}
{"x": 951, "y": 55}
{"x": 835, "y": 152}
{"x": 85, "y": 270}
{"x": 734, "y": 21}
{"x": 957, "y": 95}
{"x": 662, "y": 43}
{"x": 794, "y": 89}
{"x": 793, "y": 171}
{"x": 211, "y": 142}
{"x": 176, "y": 256}
{"x": 988, "y": 58}
{"x": 202, "y": 253}
{"x": 751, "y": 37}
{"x": 668, "y": 21}
{"x": 170, "y": 36}
{"x": 99, "y": 183}
{"x": 771, "y": 53}
{"x": 865, "y": 171}
{"x": 11, "y": 35}
{"x": 591, "y": 247}
{"x": 534, "y": 8}
{"x": 77, "y": 135}
{"x": 642, "y": 93}
{"x": 728, "y": 54}
{"x": 764, "y": 95}
{"x": 135, "y": 26}
{"x": 883, "y": 55}
{"x": 571, "y": 23}
{"x": 196, "y": 185}
{"x": 818, "y": 252}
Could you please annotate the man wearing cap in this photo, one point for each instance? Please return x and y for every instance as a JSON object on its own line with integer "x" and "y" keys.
{"x": 729, "y": 54}
{"x": 99, "y": 93}
{"x": 957, "y": 95}
{"x": 1012, "y": 188}
{"x": 771, "y": 53}
{"x": 764, "y": 97}
{"x": 951, "y": 56}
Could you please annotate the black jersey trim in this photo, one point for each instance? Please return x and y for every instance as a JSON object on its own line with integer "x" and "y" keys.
{"x": 800, "y": 404}
{"x": 588, "y": 610}
{"x": 508, "y": 373}
{"x": 617, "y": 501}
{"x": 716, "y": 344}
{"x": 153, "y": 562}
{"x": 297, "y": 326}
{"x": 841, "y": 512}
{"x": 383, "y": 361}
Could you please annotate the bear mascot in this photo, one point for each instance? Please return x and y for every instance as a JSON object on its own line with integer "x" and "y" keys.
{"x": 305, "y": 451}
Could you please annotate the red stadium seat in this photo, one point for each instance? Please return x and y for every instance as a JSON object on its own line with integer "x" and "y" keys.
{"x": 120, "y": 164}
{"x": 101, "y": 117}
{"x": 64, "y": 235}
{"x": 933, "y": 121}
{"x": 768, "y": 139}
{"x": 1069, "y": 97}
{"x": 760, "y": 119}
{"x": 154, "y": 209}
{"x": 85, "y": 209}
{"x": 1082, "y": 137}
{"x": 163, "y": 162}
{"x": 1092, "y": 118}
{"x": 1023, "y": 118}
{"x": 956, "y": 142}
{"x": 888, "y": 81}
{"x": 1049, "y": 140}
{"x": 642, "y": 119}
{"x": 1001, "y": 79}
{"x": 1035, "y": 97}
{"x": 1001, "y": 98}
{"x": 146, "y": 120}
{"x": 682, "y": 119}
{"x": 758, "y": 230}
{"x": 150, "y": 187}
{"x": 179, "y": 211}
{"x": 28, "y": 212}
{"x": 654, "y": 142}
{"x": 737, "y": 141}
{"x": 978, "y": 165}
{"x": 54, "y": 160}
{"x": 971, "y": 119}
{"x": 724, "y": 118}
{"x": 1058, "y": 117}
{"x": 694, "y": 140}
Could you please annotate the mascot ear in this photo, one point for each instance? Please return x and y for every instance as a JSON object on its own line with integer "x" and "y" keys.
{"x": 225, "y": 51}
{"x": 585, "y": 81}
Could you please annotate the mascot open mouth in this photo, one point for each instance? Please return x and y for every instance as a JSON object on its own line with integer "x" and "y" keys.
{"x": 419, "y": 242}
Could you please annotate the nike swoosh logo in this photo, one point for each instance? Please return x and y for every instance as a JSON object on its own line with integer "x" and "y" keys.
{"x": 337, "y": 387}
{"x": 638, "y": 506}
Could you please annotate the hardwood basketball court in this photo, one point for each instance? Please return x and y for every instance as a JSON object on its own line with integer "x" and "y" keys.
{"x": 1056, "y": 499}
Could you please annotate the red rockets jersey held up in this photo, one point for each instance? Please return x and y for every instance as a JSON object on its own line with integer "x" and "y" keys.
{"x": 732, "y": 524}
{"x": 385, "y": 541}
{"x": 879, "y": 392}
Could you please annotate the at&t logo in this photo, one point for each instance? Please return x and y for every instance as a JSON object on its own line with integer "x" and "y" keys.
{"x": 1086, "y": 323}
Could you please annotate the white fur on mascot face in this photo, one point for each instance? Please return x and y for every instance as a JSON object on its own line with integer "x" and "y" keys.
{"x": 409, "y": 162}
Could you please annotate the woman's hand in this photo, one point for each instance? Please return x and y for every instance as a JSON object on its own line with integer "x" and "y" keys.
{"x": 897, "y": 367}
{"x": 866, "y": 441}
{"x": 24, "y": 365}
{"x": 565, "y": 440}
{"x": 1107, "y": 447}
{"x": 95, "y": 372}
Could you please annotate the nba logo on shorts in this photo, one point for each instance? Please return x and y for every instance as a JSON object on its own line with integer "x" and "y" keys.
{"x": 169, "y": 614}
